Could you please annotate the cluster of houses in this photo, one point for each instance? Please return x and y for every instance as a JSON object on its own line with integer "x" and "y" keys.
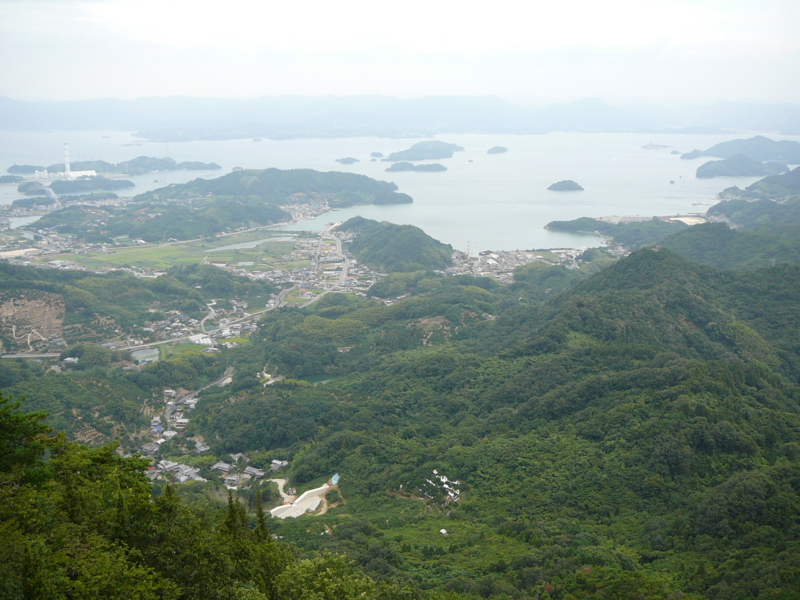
{"x": 233, "y": 477}
{"x": 498, "y": 264}
{"x": 176, "y": 471}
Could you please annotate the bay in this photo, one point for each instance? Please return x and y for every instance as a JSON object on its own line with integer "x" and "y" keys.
{"x": 482, "y": 201}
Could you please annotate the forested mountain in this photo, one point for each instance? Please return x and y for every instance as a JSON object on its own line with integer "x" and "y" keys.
{"x": 634, "y": 433}
{"x": 758, "y": 148}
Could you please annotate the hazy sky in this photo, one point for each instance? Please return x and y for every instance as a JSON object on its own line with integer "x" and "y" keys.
{"x": 618, "y": 50}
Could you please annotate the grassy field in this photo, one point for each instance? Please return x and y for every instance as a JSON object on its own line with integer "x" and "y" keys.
{"x": 266, "y": 255}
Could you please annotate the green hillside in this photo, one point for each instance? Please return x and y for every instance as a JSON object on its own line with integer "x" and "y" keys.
{"x": 631, "y": 434}
{"x": 739, "y": 165}
{"x": 391, "y": 248}
{"x": 785, "y": 187}
{"x": 621, "y": 436}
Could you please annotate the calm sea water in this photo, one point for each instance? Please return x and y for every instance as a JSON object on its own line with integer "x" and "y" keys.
{"x": 494, "y": 202}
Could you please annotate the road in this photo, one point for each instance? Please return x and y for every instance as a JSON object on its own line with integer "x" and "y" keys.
{"x": 168, "y": 411}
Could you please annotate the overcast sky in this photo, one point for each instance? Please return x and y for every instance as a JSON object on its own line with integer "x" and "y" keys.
{"x": 619, "y": 50}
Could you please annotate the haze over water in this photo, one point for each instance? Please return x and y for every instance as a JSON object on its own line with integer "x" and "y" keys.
{"x": 495, "y": 202}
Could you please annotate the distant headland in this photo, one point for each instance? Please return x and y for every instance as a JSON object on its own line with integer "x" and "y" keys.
{"x": 407, "y": 166}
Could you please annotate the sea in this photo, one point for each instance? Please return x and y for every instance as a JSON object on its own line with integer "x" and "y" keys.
{"x": 482, "y": 202}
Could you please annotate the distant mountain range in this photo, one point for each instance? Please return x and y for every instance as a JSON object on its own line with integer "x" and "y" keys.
{"x": 281, "y": 117}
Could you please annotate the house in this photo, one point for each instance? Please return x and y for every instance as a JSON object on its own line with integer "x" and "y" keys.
{"x": 150, "y": 448}
{"x": 253, "y": 472}
{"x": 221, "y": 466}
{"x": 169, "y": 393}
{"x": 232, "y": 480}
{"x": 168, "y": 466}
{"x": 181, "y": 423}
{"x": 201, "y": 446}
{"x": 278, "y": 465}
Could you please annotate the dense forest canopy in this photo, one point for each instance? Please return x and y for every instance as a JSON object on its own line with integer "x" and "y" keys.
{"x": 626, "y": 429}
{"x": 390, "y": 248}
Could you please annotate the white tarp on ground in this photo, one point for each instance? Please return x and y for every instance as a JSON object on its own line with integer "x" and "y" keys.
{"x": 309, "y": 500}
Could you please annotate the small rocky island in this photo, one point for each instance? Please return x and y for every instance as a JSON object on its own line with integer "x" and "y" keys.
{"x": 407, "y": 166}
{"x": 497, "y": 150}
{"x": 347, "y": 161}
{"x": 565, "y": 186}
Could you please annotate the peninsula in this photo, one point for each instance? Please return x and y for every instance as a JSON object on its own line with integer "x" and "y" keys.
{"x": 739, "y": 165}
{"x": 758, "y": 148}
{"x": 565, "y": 186}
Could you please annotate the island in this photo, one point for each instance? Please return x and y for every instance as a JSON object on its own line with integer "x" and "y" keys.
{"x": 407, "y": 166}
{"x": 565, "y": 186}
{"x": 141, "y": 165}
{"x": 497, "y": 150}
{"x": 425, "y": 151}
{"x": 24, "y": 169}
{"x": 674, "y": 152}
{"x": 652, "y": 146}
{"x": 65, "y": 186}
{"x": 347, "y": 161}
{"x": 377, "y": 155}
{"x": 10, "y": 178}
{"x": 758, "y": 148}
{"x": 739, "y": 165}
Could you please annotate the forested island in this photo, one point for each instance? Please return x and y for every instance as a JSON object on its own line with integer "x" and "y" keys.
{"x": 739, "y": 165}
{"x": 758, "y": 148}
{"x": 407, "y": 166}
{"x": 431, "y": 150}
{"x": 74, "y": 186}
{"x": 497, "y": 150}
{"x": 136, "y": 166}
{"x": 347, "y": 161}
{"x": 565, "y": 186}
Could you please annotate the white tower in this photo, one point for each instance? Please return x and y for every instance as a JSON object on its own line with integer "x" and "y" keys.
{"x": 66, "y": 162}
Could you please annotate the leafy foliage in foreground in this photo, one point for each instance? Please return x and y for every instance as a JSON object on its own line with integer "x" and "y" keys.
{"x": 81, "y": 524}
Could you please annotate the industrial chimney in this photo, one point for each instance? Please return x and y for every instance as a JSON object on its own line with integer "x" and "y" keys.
{"x": 66, "y": 162}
